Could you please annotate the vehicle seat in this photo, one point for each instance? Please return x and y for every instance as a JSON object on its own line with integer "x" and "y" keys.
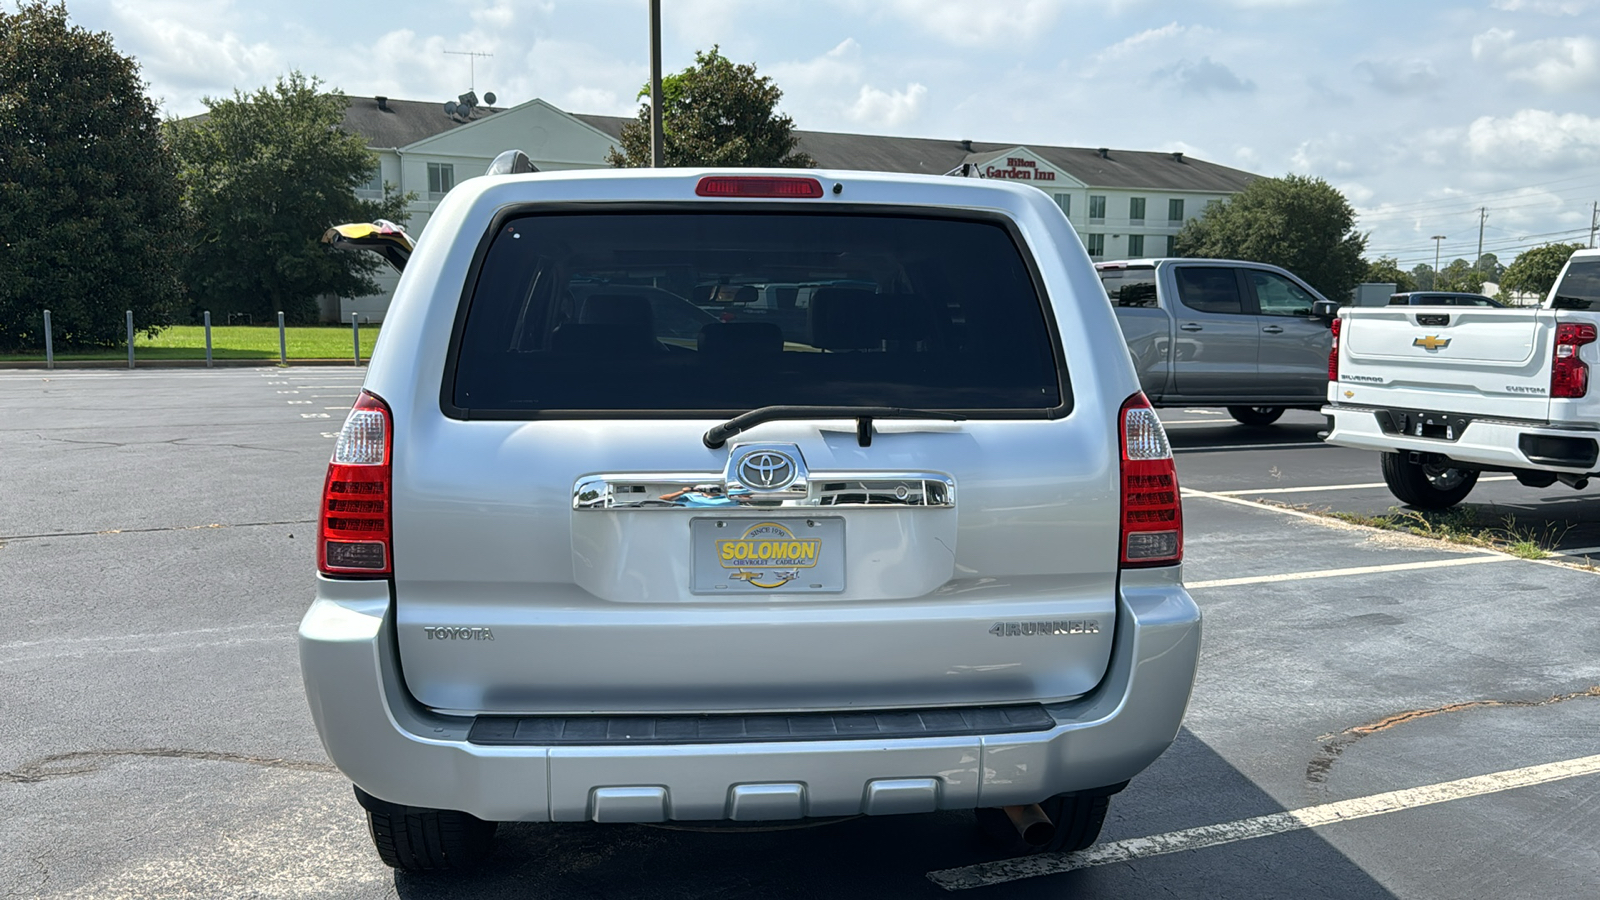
{"x": 740, "y": 340}
{"x": 609, "y": 325}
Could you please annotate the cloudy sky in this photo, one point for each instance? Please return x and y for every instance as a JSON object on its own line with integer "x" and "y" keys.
{"x": 1423, "y": 112}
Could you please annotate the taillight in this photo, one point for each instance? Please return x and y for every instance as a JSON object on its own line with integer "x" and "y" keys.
{"x": 1333, "y": 354}
{"x": 1152, "y": 514}
{"x": 353, "y": 530}
{"x": 758, "y": 186}
{"x": 1569, "y": 375}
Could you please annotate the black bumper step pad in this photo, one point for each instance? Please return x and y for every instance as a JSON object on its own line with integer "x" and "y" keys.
{"x": 737, "y": 729}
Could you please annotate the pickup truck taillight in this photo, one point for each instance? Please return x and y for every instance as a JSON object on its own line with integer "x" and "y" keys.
{"x": 1152, "y": 515}
{"x": 354, "y": 526}
{"x": 1569, "y": 375}
{"x": 1333, "y": 354}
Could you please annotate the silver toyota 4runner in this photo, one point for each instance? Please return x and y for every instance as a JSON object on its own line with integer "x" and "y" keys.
{"x": 761, "y": 495}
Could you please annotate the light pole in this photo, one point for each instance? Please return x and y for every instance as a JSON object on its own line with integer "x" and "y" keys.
{"x": 657, "y": 139}
{"x": 1436, "y": 239}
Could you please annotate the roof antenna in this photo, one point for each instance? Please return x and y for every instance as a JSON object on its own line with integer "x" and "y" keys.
{"x": 472, "y": 65}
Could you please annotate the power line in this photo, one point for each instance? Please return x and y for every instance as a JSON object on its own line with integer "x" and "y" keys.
{"x": 1472, "y": 200}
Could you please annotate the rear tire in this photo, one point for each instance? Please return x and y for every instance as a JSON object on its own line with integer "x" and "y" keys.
{"x": 1256, "y": 416}
{"x": 1426, "y": 485}
{"x": 421, "y": 840}
{"x": 1077, "y": 819}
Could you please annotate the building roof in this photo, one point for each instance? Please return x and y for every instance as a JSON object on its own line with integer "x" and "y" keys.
{"x": 407, "y": 121}
{"x": 404, "y": 122}
{"x": 1138, "y": 169}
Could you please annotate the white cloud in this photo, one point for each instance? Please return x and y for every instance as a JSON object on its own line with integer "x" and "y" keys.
{"x": 1401, "y": 77}
{"x": 887, "y": 109}
{"x": 1203, "y": 78}
{"x": 1554, "y": 64}
{"x": 177, "y": 53}
{"x": 1547, "y": 7}
{"x": 968, "y": 25}
{"x": 1141, "y": 42}
{"x": 1535, "y": 139}
{"x": 839, "y": 66}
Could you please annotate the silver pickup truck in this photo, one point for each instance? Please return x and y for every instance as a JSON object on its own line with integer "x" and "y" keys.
{"x": 911, "y": 542}
{"x": 1219, "y": 332}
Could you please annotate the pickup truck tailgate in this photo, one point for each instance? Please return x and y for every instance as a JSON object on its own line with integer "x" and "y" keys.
{"x": 1483, "y": 362}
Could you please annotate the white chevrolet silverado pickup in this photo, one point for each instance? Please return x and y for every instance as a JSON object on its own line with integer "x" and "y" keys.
{"x": 1448, "y": 392}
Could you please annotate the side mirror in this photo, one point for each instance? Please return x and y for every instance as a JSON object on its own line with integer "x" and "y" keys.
{"x": 1325, "y": 311}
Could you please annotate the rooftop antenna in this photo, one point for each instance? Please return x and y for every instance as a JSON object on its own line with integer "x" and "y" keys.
{"x": 472, "y": 64}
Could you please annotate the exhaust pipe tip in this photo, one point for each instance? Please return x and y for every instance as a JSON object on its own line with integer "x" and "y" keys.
{"x": 1033, "y": 826}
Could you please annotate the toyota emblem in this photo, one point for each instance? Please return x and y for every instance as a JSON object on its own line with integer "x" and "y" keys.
{"x": 766, "y": 470}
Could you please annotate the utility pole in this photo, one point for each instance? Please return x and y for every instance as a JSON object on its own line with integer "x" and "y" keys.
{"x": 1483, "y": 216}
{"x": 658, "y": 148}
{"x": 1436, "y": 239}
{"x": 1594, "y": 223}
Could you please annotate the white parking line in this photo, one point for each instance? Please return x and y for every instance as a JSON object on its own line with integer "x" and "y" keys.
{"x": 1253, "y": 504}
{"x": 1353, "y": 570}
{"x": 1577, "y": 551}
{"x": 1334, "y": 487}
{"x": 1261, "y": 826}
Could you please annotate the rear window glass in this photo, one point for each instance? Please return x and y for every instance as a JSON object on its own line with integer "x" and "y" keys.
{"x": 726, "y": 312}
{"x": 1580, "y": 287}
{"x": 1131, "y": 287}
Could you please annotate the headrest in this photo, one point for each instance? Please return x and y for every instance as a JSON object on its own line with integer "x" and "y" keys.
{"x": 856, "y": 319}
{"x": 847, "y": 319}
{"x": 616, "y": 309}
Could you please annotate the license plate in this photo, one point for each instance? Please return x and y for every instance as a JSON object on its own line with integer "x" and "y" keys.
{"x": 772, "y": 556}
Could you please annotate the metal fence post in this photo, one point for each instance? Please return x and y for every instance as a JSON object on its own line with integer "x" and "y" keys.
{"x": 130, "y": 338}
{"x": 355, "y": 334}
{"x": 49, "y": 344}
{"x": 208, "y": 338}
{"x": 283, "y": 345}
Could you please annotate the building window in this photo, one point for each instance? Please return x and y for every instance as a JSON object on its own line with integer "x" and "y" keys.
{"x": 441, "y": 178}
{"x": 1172, "y": 245}
{"x": 1174, "y": 210}
{"x": 1097, "y": 208}
{"x": 1136, "y": 210}
{"x": 1135, "y": 245}
{"x": 1096, "y": 244}
{"x": 1065, "y": 202}
{"x": 372, "y": 188}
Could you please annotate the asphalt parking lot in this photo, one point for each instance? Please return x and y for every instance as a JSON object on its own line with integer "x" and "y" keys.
{"x": 1376, "y": 715}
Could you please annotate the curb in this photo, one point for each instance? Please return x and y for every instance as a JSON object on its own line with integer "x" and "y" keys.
{"x": 175, "y": 363}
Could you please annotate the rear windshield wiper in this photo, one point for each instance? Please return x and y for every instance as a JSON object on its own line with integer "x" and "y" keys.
{"x": 719, "y": 434}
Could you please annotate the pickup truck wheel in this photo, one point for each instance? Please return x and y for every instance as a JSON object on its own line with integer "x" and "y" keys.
{"x": 1426, "y": 485}
{"x": 422, "y": 840}
{"x": 1256, "y": 415}
{"x": 1077, "y": 819}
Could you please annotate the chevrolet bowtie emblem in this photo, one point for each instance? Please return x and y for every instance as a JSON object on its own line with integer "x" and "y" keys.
{"x": 1431, "y": 342}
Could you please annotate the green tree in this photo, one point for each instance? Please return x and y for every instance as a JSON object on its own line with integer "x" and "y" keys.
{"x": 714, "y": 113}
{"x": 1534, "y": 271}
{"x": 1489, "y": 265}
{"x": 90, "y": 223}
{"x": 264, "y": 175}
{"x": 1300, "y": 223}
{"x": 1423, "y": 277}
{"x": 1387, "y": 271}
{"x": 1461, "y": 276}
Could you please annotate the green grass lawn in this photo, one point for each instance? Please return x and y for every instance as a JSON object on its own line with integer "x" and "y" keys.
{"x": 232, "y": 342}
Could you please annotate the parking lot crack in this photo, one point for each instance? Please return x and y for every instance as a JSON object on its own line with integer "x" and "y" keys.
{"x": 85, "y": 762}
{"x": 209, "y": 525}
{"x": 1332, "y": 746}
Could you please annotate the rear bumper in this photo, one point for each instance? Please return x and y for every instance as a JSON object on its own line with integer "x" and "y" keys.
{"x": 397, "y": 751}
{"x": 1483, "y": 443}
